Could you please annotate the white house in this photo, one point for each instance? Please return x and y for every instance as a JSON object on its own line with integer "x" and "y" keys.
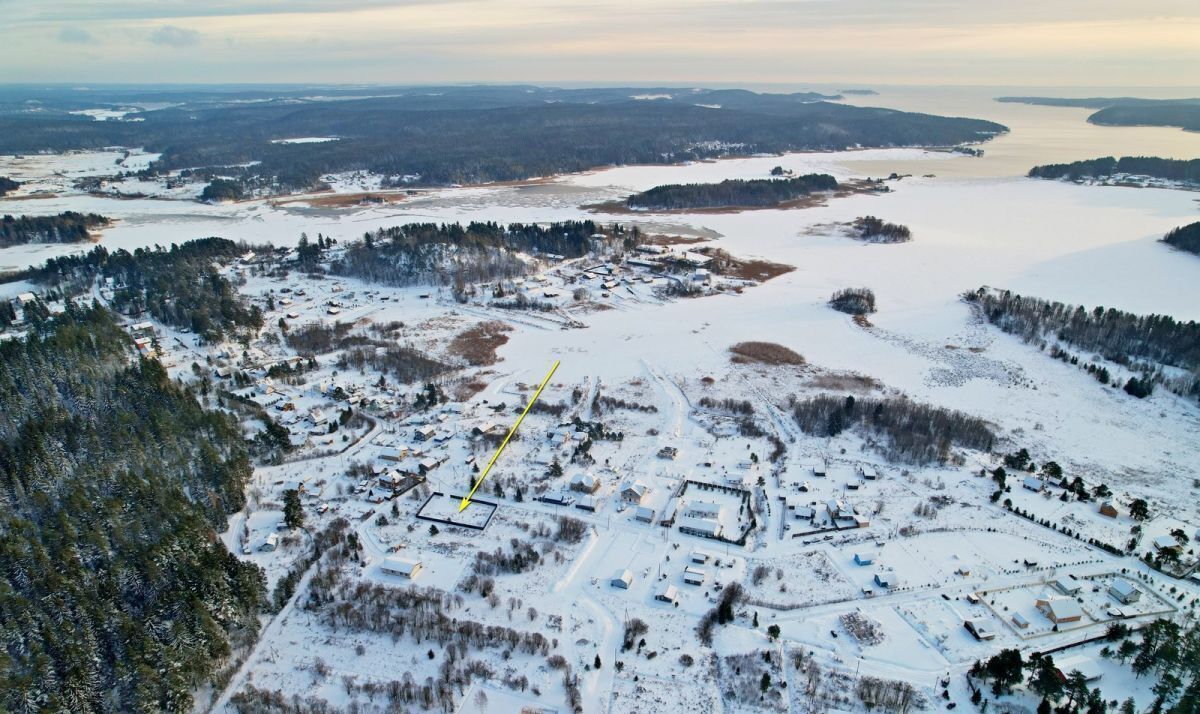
{"x": 1033, "y": 483}
{"x": 694, "y": 576}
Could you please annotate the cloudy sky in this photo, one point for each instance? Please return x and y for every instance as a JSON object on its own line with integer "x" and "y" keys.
{"x": 1009, "y": 42}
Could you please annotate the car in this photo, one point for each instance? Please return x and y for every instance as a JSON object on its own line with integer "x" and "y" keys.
{"x": 833, "y": 634}
{"x": 945, "y": 596}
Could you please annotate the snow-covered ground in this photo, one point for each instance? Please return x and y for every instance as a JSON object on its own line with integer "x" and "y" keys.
{"x": 934, "y": 535}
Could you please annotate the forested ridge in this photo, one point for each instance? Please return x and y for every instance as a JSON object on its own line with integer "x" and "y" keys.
{"x": 178, "y": 286}
{"x": 439, "y": 254}
{"x": 66, "y": 227}
{"x": 449, "y": 135}
{"x": 731, "y": 193}
{"x": 1143, "y": 343}
{"x": 1106, "y": 166}
{"x": 1185, "y": 238}
{"x": 116, "y": 594}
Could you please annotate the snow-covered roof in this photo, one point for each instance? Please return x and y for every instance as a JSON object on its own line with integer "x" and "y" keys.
{"x": 401, "y": 566}
{"x": 1166, "y": 542}
{"x": 1081, "y": 663}
{"x": 1122, "y": 587}
{"x": 701, "y": 526}
{"x": 1062, "y": 608}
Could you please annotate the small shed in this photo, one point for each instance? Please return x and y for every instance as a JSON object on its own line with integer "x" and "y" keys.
{"x": 668, "y": 594}
{"x": 864, "y": 558}
{"x": 694, "y": 576}
{"x": 622, "y": 579}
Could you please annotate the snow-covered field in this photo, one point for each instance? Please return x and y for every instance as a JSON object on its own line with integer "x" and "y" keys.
{"x": 934, "y": 536}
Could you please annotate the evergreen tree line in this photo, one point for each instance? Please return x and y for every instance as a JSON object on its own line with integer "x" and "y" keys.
{"x": 876, "y": 230}
{"x": 1185, "y": 238}
{"x": 853, "y": 301}
{"x": 1164, "y": 650}
{"x": 220, "y": 189}
{"x": 442, "y": 254}
{"x": 915, "y": 433}
{"x": 1169, "y": 169}
{"x": 66, "y": 227}
{"x": 7, "y": 186}
{"x": 731, "y": 193}
{"x": 116, "y": 594}
{"x": 178, "y": 286}
{"x": 1139, "y": 342}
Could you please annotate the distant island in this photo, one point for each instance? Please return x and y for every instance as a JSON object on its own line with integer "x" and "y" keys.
{"x": 1185, "y": 238}
{"x": 876, "y": 230}
{"x": 68, "y": 227}
{"x": 7, "y": 186}
{"x": 732, "y": 193}
{"x": 1127, "y": 111}
{"x": 1126, "y": 169}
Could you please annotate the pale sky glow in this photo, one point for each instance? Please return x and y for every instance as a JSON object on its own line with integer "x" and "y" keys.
{"x": 1042, "y": 42}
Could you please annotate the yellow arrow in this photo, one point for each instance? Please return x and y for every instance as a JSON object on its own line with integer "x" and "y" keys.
{"x": 467, "y": 499}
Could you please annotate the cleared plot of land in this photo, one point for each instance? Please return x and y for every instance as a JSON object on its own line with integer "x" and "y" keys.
{"x": 443, "y": 508}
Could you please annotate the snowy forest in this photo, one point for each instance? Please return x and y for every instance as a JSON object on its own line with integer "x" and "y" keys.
{"x": 179, "y": 285}
{"x": 853, "y": 301}
{"x": 66, "y": 227}
{"x": 1169, "y": 169}
{"x": 1142, "y": 343}
{"x": 877, "y": 230}
{"x": 459, "y": 135}
{"x": 1185, "y": 238}
{"x": 102, "y": 456}
{"x": 731, "y": 193}
{"x": 442, "y": 254}
{"x": 913, "y": 433}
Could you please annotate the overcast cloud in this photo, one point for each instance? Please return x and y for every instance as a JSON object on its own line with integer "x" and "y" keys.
{"x": 1042, "y": 42}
